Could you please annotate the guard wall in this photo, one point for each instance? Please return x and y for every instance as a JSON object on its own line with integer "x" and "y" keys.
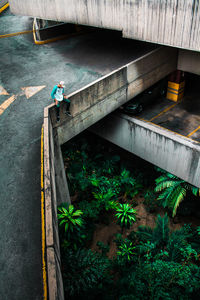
{"x": 53, "y": 191}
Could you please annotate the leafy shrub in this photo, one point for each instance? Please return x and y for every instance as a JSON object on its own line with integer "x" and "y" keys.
{"x": 150, "y": 200}
{"x": 69, "y": 217}
{"x": 104, "y": 248}
{"x": 178, "y": 246}
{"x": 130, "y": 186}
{"x": 126, "y": 251}
{"x": 71, "y": 222}
{"x": 83, "y": 270}
{"x": 126, "y": 215}
{"x": 163, "y": 280}
{"x": 91, "y": 209}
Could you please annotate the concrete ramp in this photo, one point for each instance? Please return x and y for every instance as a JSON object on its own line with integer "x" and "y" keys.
{"x": 93, "y": 102}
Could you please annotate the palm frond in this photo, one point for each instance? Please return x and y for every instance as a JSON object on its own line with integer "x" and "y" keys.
{"x": 179, "y": 195}
{"x": 166, "y": 184}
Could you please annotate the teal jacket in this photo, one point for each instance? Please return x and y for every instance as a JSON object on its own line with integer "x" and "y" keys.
{"x": 54, "y": 92}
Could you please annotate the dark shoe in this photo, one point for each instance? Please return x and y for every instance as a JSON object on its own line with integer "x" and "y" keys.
{"x": 68, "y": 113}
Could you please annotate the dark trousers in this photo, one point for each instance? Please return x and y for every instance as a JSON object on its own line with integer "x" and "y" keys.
{"x": 67, "y": 101}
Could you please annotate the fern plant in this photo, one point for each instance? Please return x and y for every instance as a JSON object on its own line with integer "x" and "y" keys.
{"x": 173, "y": 190}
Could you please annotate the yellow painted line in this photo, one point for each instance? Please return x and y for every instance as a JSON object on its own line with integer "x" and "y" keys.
{"x": 185, "y": 136}
{"x": 15, "y": 33}
{"x": 191, "y": 133}
{"x": 4, "y": 7}
{"x": 56, "y": 38}
{"x": 44, "y": 273}
{"x": 168, "y": 129}
{"x": 165, "y": 110}
{"x": 7, "y": 103}
{"x": 46, "y": 41}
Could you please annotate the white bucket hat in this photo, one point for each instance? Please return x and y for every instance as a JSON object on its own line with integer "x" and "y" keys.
{"x": 62, "y": 83}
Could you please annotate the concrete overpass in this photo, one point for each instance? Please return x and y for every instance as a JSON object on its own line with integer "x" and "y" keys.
{"x": 173, "y": 23}
{"x": 166, "y": 149}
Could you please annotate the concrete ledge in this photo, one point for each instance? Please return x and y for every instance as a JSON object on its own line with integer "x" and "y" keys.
{"x": 51, "y": 170}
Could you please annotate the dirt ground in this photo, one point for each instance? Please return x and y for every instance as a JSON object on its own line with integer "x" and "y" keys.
{"x": 106, "y": 233}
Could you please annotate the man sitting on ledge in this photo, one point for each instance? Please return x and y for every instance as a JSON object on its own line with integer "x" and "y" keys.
{"x": 58, "y": 96}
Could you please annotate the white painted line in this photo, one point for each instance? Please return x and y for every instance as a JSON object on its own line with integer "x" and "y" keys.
{"x": 29, "y": 91}
{"x": 3, "y": 91}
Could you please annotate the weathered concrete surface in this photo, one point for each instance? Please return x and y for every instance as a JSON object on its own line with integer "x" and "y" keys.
{"x": 167, "y": 150}
{"x": 78, "y": 62}
{"x": 175, "y": 23}
{"x": 189, "y": 61}
{"x": 62, "y": 189}
{"x": 95, "y": 101}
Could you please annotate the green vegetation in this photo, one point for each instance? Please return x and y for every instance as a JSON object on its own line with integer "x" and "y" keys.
{"x": 126, "y": 250}
{"x": 148, "y": 263}
{"x": 70, "y": 218}
{"x": 165, "y": 264}
{"x": 173, "y": 190}
{"x": 125, "y": 215}
{"x": 84, "y": 271}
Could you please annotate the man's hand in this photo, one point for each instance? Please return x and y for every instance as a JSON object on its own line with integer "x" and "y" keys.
{"x": 56, "y": 101}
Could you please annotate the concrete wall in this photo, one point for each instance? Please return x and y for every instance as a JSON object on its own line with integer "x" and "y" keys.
{"x": 165, "y": 149}
{"x": 189, "y": 61}
{"x": 169, "y": 22}
{"x": 53, "y": 263}
{"x": 95, "y": 101}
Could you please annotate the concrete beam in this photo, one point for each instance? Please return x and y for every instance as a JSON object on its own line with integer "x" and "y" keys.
{"x": 95, "y": 101}
{"x": 161, "y": 147}
{"x": 189, "y": 61}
